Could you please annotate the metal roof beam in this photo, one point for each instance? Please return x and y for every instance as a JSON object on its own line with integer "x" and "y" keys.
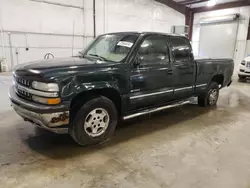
{"x": 233, "y": 4}
{"x": 192, "y": 2}
{"x": 174, "y": 5}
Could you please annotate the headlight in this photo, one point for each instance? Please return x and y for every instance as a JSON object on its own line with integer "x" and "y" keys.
{"x": 46, "y": 100}
{"x": 243, "y": 62}
{"x": 45, "y": 87}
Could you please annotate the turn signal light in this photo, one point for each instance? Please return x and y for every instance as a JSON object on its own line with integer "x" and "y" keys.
{"x": 54, "y": 101}
{"x": 43, "y": 100}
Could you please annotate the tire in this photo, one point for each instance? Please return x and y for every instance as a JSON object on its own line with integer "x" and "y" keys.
{"x": 210, "y": 97}
{"x": 95, "y": 122}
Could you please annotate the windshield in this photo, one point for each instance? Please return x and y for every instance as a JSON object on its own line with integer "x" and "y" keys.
{"x": 112, "y": 47}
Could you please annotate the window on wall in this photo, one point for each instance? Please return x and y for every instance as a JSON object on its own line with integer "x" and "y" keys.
{"x": 153, "y": 50}
{"x": 181, "y": 49}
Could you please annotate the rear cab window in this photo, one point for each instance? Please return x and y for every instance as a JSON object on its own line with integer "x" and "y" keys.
{"x": 181, "y": 49}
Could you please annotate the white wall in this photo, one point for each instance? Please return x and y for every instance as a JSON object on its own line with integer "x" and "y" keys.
{"x": 131, "y": 15}
{"x": 40, "y": 27}
{"x": 44, "y": 27}
{"x": 242, "y": 48}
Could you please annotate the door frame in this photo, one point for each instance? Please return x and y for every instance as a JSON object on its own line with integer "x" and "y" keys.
{"x": 168, "y": 66}
{"x": 188, "y": 88}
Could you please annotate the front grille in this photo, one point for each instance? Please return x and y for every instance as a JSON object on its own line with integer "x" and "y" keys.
{"x": 248, "y": 64}
{"x": 23, "y": 82}
{"x": 24, "y": 94}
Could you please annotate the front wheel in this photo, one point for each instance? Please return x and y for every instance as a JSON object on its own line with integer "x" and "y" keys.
{"x": 211, "y": 96}
{"x": 94, "y": 122}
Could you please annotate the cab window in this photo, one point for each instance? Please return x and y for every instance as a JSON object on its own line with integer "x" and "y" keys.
{"x": 154, "y": 50}
{"x": 181, "y": 49}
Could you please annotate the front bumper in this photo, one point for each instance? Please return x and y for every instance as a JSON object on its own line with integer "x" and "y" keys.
{"x": 52, "y": 118}
{"x": 244, "y": 74}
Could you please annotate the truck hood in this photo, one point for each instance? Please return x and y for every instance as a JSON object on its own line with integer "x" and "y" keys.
{"x": 54, "y": 68}
{"x": 57, "y": 63}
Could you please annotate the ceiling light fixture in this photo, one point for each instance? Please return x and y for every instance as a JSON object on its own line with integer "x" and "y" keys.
{"x": 211, "y": 3}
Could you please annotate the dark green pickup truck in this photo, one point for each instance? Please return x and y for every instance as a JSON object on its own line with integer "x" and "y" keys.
{"x": 119, "y": 76}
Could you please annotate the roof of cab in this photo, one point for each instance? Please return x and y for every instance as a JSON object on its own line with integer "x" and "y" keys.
{"x": 145, "y": 33}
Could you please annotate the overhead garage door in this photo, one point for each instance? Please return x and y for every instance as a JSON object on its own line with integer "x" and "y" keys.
{"x": 218, "y": 39}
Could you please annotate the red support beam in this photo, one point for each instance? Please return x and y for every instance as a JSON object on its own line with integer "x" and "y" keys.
{"x": 176, "y": 6}
{"x": 189, "y": 19}
{"x": 241, "y": 3}
{"x": 248, "y": 34}
{"x": 192, "y": 2}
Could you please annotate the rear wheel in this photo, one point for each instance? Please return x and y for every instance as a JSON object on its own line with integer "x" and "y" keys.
{"x": 95, "y": 122}
{"x": 210, "y": 97}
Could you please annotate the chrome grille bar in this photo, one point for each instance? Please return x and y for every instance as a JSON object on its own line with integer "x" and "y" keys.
{"x": 23, "y": 82}
{"x": 36, "y": 92}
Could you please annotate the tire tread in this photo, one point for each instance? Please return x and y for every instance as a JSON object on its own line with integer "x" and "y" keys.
{"x": 77, "y": 132}
{"x": 203, "y": 99}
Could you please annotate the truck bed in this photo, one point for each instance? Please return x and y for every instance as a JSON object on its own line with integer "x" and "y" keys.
{"x": 210, "y": 67}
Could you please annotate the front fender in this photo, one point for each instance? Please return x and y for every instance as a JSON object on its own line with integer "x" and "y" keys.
{"x": 72, "y": 87}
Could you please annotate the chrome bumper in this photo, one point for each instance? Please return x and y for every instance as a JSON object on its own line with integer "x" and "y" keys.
{"x": 47, "y": 121}
{"x": 54, "y": 118}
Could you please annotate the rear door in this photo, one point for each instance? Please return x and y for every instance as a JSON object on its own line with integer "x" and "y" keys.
{"x": 183, "y": 67}
{"x": 151, "y": 74}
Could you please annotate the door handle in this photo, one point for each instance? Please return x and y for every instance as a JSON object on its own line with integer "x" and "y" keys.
{"x": 170, "y": 71}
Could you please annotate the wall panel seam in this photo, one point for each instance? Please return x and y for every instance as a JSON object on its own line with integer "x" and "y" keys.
{"x": 57, "y": 4}
{"x": 39, "y": 33}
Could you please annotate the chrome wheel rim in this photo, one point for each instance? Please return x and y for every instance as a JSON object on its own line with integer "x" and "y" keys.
{"x": 213, "y": 96}
{"x": 96, "y": 122}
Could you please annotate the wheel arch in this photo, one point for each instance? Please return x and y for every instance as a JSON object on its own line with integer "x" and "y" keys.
{"x": 219, "y": 79}
{"x": 84, "y": 96}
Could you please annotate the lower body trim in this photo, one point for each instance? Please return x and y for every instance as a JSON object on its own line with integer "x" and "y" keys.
{"x": 155, "y": 110}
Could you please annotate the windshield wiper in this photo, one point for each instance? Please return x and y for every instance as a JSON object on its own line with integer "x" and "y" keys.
{"x": 100, "y": 57}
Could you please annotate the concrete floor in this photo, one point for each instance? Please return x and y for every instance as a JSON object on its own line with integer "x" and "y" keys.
{"x": 187, "y": 147}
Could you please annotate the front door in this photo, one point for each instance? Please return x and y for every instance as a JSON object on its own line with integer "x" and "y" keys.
{"x": 151, "y": 74}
